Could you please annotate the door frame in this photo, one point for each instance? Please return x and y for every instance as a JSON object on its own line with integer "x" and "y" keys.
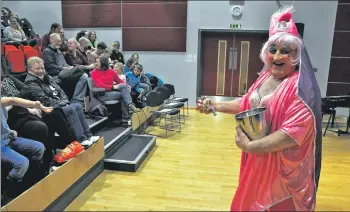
{"x": 199, "y": 51}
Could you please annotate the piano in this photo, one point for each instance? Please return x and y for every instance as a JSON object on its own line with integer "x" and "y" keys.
{"x": 330, "y": 103}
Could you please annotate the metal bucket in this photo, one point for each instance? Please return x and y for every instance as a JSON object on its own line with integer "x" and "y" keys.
{"x": 253, "y": 123}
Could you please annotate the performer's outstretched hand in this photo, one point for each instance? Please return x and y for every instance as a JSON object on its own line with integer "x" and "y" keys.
{"x": 242, "y": 140}
{"x": 203, "y": 105}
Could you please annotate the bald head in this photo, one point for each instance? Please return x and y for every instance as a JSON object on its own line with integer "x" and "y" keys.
{"x": 84, "y": 43}
{"x": 55, "y": 40}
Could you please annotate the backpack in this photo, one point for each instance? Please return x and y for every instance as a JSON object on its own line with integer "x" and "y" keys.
{"x": 96, "y": 107}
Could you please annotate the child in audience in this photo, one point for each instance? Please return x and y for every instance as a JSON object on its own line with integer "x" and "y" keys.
{"x": 129, "y": 65}
{"x": 133, "y": 79}
{"x": 119, "y": 68}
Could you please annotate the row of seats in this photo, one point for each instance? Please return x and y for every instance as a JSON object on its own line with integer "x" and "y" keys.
{"x": 17, "y": 57}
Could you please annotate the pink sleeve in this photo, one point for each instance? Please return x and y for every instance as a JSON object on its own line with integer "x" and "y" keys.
{"x": 298, "y": 121}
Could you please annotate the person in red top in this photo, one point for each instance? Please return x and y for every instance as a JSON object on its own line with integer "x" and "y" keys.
{"x": 116, "y": 89}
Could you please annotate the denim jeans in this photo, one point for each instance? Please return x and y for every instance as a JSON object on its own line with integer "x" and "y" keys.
{"x": 76, "y": 120}
{"x": 18, "y": 153}
{"x": 80, "y": 87}
{"x": 145, "y": 87}
{"x": 123, "y": 94}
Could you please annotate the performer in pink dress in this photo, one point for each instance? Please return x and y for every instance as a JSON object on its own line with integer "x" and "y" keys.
{"x": 280, "y": 172}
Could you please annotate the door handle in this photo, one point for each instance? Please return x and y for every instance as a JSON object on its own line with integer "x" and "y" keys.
{"x": 230, "y": 58}
{"x": 235, "y": 54}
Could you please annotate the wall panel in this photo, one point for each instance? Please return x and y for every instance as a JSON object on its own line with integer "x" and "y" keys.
{"x": 91, "y": 15}
{"x": 160, "y": 25}
{"x": 75, "y": 2}
{"x": 155, "y": 14}
{"x": 341, "y": 44}
{"x": 338, "y": 89}
{"x": 339, "y": 71}
{"x": 154, "y": 39}
{"x": 343, "y": 17}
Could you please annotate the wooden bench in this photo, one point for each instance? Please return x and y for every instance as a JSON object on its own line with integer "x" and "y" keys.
{"x": 57, "y": 190}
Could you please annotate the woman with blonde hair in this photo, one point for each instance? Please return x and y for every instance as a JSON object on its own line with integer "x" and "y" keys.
{"x": 14, "y": 32}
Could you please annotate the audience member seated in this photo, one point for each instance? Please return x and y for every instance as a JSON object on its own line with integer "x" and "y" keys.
{"x": 33, "y": 124}
{"x": 101, "y": 49}
{"x": 154, "y": 80}
{"x": 43, "y": 88}
{"x": 64, "y": 44}
{"x": 6, "y": 15}
{"x": 14, "y": 34}
{"x": 129, "y": 66}
{"x": 85, "y": 49}
{"x": 133, "y": 80}
{"x": 55, "y": 28}
{"x": 75, "y": 58}
{"x": 65, "y": 75}
{"x": 93, "y": 39}
{"x": 135, "y": 57}
{"x": 23, "y": 22}
{"x": 116, "y": 55}
{"x": 82, "y": 33}
{"x": 144, "y": 80}
{"x": 116, "y": 89}
{"x": 17, "y": 154}
{"x": 119, "y": 69}
{"x": 27, "y": 28}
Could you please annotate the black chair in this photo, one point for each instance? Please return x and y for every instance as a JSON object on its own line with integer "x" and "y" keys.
{"x": 168, "y": 103}
{"x": 155, "y": 99}
{"x": 171, "y": 89}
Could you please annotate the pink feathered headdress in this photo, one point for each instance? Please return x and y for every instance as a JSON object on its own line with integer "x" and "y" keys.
{"x": 282, "y": 21}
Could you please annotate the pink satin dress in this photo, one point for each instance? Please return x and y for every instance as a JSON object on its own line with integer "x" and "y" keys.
{"x": 279, "y": 181}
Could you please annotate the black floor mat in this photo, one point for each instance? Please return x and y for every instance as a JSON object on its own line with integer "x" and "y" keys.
{"x": 132, "y": 148}
{"x": 110, "y": 132}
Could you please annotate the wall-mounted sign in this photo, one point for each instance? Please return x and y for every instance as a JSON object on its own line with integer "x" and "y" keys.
{"x": 235, "y": 26}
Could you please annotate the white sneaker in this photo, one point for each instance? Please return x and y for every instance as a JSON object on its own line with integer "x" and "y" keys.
{"x": 94, "y": 139}
{"x": 87, "y": 143}
{"x": 128, "y": 121}
{"x": 53, "y": 168}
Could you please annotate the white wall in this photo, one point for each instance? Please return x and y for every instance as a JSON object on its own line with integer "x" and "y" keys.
{"x": 318, "y": 34}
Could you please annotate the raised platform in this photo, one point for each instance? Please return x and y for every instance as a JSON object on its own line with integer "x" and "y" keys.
{"x": 57, "y": 190}
{"x": 139, "y": 118}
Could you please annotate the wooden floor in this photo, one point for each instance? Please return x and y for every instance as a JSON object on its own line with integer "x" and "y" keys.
{"x": 198, "y": 170}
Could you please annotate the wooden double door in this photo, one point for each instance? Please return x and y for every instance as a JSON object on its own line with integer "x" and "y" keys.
{"x": 230, "y": 62}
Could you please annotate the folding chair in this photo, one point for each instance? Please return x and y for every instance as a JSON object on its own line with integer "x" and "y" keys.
{"x": 8, "y": 48}
{"x": 30, "y": 53}
{"x": 171, "y": 89}
{"x": 168, "y": 104}
{"x": 155, "y": 99}
{"x": 15, "y": 59}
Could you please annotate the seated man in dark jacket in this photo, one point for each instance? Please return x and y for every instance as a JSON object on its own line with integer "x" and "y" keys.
{"x": 43, "y": 88}
{"x": 64, "y": 74}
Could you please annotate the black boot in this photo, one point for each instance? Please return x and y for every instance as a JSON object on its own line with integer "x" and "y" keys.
{"x": 13, "y": 188}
